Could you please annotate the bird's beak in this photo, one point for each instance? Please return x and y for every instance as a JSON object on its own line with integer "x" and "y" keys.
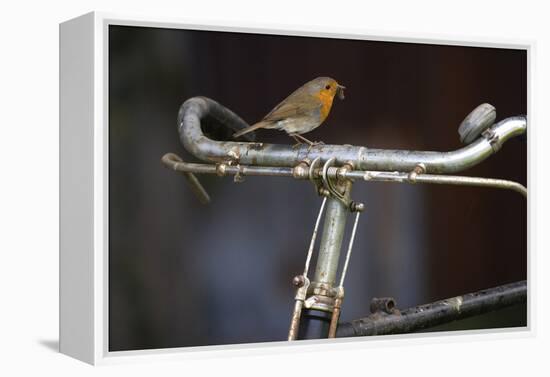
{"x": 340, "y": 91}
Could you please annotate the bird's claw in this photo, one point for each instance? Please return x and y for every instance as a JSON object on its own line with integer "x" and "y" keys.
{"x": 314, "y": 144}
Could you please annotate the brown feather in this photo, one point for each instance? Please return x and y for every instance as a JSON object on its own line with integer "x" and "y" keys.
{"x": 303, "y": 110}
{"x": 298, "y": 103}
{"x": 249, "y": 129}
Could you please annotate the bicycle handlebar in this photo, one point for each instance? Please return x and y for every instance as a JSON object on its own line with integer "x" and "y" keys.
{"x": 198, "y": 110}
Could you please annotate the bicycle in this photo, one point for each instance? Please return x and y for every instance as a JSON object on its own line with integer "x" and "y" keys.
{"x": 332, "y": 170}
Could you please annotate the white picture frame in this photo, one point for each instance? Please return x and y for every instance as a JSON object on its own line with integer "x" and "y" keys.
{"x": 84, "y": 187}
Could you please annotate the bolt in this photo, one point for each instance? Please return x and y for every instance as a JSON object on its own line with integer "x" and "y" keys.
{"x": 418, "y": 169}
{"x": 357, "y": 207}
{"x": 349, "y": 164}
{"x": 324, "y": 192}
{"x": 220, "y": 169}
{"x": 300, "y": 171}
{"x": 298, "y": 281}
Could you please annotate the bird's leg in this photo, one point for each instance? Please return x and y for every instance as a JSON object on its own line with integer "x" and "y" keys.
{"x": 298, "y": 142}
{"x": 311, "y": 143}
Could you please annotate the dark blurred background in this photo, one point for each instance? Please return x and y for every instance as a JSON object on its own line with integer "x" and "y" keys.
{"x": 184, "y": 274}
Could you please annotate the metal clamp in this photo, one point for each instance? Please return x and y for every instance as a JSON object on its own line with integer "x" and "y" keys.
{"x": 340, "y": 173}
{"x": 327, "y": 183}
{"x": 418, "y": 169}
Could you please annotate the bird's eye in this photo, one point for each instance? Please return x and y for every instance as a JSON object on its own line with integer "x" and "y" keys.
{"x": 327, "y": 87}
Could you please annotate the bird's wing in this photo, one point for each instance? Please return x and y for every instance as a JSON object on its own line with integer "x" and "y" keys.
{"x": 291, "y": 107}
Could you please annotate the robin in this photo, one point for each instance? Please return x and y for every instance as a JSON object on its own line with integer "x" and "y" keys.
{"x": 302, "y": 111}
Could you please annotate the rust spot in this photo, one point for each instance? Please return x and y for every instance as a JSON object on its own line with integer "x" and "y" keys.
{"x": 256, "y": 146}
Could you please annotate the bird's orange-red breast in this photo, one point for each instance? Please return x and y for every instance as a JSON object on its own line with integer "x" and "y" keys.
{"x": 302, "y": 111}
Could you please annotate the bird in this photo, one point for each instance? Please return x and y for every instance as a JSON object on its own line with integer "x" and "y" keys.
{"x": 302, "y": 111}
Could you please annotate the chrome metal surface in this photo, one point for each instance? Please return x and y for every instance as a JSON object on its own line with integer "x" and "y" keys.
{"x": 383, "y": 176}
{"x": 197, "y": 109}
{"x": 333, "y": 233}
{"x": 175, "y": 163}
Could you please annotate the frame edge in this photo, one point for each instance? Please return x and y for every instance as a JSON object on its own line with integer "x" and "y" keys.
{"x": 76, "y": 183}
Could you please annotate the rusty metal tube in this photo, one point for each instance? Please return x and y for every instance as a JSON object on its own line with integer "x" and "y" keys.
{"x": 436, "y": 313}
{"x": 175, "y": 163}
{"x": 197, "y": 110}
{"x": 295, "y": 321}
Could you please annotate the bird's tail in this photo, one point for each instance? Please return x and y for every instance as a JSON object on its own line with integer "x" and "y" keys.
{"x": 249, "y": 129}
